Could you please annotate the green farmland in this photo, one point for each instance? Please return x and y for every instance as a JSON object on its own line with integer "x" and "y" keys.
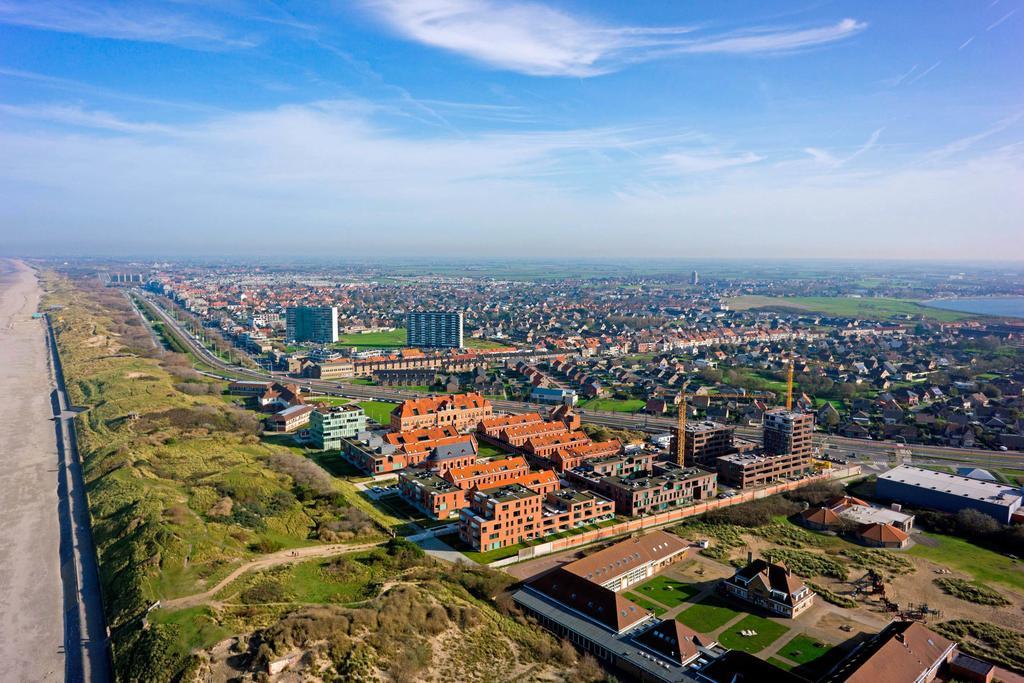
{"x": 867, "y": 307}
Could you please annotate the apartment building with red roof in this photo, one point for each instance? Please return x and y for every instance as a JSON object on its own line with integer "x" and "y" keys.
{"x": 544, "y": 445}
{"x": 461, "y": 411}
{"x": 444, "y": 496}
{"x": 569, "y": 458}
{"x": 517, "y": 435}
{"x": 493, "y": 426}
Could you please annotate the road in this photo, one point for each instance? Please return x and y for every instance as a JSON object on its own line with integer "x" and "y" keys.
{"x": 86, "y": 644}
{"x": 871, "y": 451}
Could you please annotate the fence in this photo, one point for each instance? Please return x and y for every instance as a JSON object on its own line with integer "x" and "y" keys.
{"x": 651, "y": 521}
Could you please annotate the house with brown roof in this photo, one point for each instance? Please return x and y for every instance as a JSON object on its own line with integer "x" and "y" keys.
{"x": 903, "y": 652}
{"x": 771, "y": 586}
{"x": 880, "y": 535}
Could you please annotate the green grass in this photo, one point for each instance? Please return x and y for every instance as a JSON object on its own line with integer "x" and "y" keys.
{"x": 195, "y": 627}
{"x": 804, "y": 649}
{"x": 473, "y": 343}
{"x": 767, "y": 633}
{"x": 378, "y": 411}
{"x": 866, "y": 307}
{"x": 647, "y": 604}
{"x": 613, "y": 405}
{"x": 374, "y": 340}
{"x": 668, "y": 592}
{"x": 984, "y": 565}
{"x": 489, "y": 451}
{"x": 708, "y": 615}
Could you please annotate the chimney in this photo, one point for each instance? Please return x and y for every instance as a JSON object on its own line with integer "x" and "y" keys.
{"x": 750, "y": 556}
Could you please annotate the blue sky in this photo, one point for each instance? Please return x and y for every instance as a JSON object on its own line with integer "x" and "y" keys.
{"x": 479, "y": 127}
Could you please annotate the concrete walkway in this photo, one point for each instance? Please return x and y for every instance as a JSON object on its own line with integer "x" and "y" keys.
{"x": 442, "y": 551}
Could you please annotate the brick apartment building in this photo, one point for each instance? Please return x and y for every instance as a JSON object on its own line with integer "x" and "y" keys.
{"x": 750, "y": 470}
{"x": 517, "y": 436}
{"x": 439, "y": 449}
{"x": 511, "y": 514}
{"x": 643, "y": 493}
{"x": 546, "y": 445}
{"x": 442, "y": 496}
{"x": 573, "y": 457}
{"x": 787, "y": 431}
{"x": 618, "y": 465}
{"x": 488, "y": 474}
{"x": 705, "y": 441}
{"x": 493, "y": 426}
{"x": 461, "y": 411}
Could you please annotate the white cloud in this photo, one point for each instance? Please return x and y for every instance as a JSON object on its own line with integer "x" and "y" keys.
{"x": 325, "y": 179}
{"x": 130, "y": 20}
{"x": 965, "y": 143}
{"x": 537, "y": 40}
{"x": 826, "y": 158}
{"x": 1001, "y": 19}
{"x": 73, "y": 115}
{"x": 703, "y": 163}
{"x": 769, "y": 40}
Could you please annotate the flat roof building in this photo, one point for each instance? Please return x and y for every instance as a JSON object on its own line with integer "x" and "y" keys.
{"x": 948, "y": 492}
{"x": 787, "y": 431}
{"x": 642, "y": 493}
{"x": 750, "y": 470}
{"x": 434, "y": 329}
{"x": 706, "y": 440}
{"x": 329, "y": 425}
{"x": 317, "y": 324}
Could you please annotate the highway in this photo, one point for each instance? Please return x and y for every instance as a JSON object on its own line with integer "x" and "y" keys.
{"x": 861, "y": 450}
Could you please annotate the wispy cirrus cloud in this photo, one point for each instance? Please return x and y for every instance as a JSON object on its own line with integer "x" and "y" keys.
{"x": 826, "y": 158}
{"x": 138, "y": 21}
{"x": 760, "y": 40}
{"x": 688, "y": 162}
{"x": 79, "y": 117}
{"x": 537, "y": 40}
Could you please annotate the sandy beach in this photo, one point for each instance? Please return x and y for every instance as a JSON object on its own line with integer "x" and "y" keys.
{"x": 31, "y": 619}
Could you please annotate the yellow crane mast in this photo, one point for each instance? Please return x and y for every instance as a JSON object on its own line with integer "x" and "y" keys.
{"x": 789, "y": 386}
{"x": 681, "y": 423}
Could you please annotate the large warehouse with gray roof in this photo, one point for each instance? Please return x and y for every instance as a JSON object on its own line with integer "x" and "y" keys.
{"x": 923, "y": 488}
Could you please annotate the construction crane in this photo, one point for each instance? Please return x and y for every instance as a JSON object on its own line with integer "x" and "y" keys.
{"x": 789, "y": 386}
{"x": 681, "y": 423}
